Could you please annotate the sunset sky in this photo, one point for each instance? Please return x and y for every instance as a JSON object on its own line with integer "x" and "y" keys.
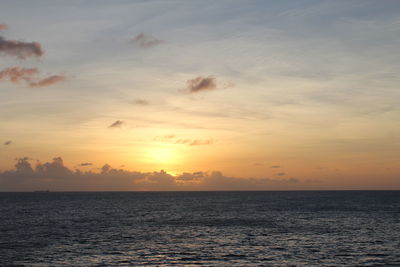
{"x": 220, "y": 95}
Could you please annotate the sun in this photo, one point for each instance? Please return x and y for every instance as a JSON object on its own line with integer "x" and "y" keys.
{"x": 162, "y": 155}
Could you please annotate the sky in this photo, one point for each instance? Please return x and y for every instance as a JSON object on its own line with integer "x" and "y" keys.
{"x": 199, "y": 95}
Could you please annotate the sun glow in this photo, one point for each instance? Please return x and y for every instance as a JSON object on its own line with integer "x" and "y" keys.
{"x": 162, "y": 155}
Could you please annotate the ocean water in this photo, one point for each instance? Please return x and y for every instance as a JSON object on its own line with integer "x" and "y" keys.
{"x": 341, "y": 228}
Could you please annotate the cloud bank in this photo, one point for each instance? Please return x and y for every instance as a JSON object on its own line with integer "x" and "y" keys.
{"x": 56, "y": 176}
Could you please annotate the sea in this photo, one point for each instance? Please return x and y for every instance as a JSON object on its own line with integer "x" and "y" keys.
{"x": 269, "y": 228}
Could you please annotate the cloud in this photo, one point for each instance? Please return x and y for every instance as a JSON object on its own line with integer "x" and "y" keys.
{"x": 3, "y": 27}
{"x": 199, "y": 84}
{"x": 141, "y": 102}
{"x": 116, "y": 124}
{"x": 15, "y": 74}
{"x": 143, "y": 40}
{"x": 187, "y": 176}
{"x": 84, "y": 164}
{"x": 275, "y": 166}
{"x": 193, "y": 142}
{"x": 48, "y": 81}
{"x": 28, "y": 75}
{"x": 280, "y": 174}
{"x": 200, "y": 142}
{"x": 19, "y": 49}
{"x": 7, "y": 143}
{"x": 54, "y": 175}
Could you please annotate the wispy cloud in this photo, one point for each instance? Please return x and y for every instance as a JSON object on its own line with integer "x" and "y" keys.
{"x": 29, "y": 76}
{"x": 193, "y": 142}
{"x": 7, "y": 143}
{"x": 275, "y": 166}
{"x": 84, "y": 164}
{"x": 48, "y": 81}
{"x": 143, "y": 40}
{"x": 199, "y": 84}
{"x": 280, "y": 174}
{"x": 16, "y": 74}
{"x": 116, "y": 124}
{"x": 141, "y": 102}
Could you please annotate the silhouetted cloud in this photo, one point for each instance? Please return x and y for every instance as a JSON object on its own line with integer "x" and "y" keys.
{"x": 7, "y": 143}
{"x": 116, "y": 124}
{"x": 3, "y": 27}
{"x": 48, "y": 81}
{"x": 275, "y": 166}
{"x": 19, "y": 49}
{"x": 55, "y": 175}
{"x": 199, "y": 84}
{"x": 145, "y": 41}
{"x": 28, "y": 75}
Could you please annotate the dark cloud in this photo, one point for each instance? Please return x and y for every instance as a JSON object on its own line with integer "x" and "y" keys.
{"x": 7, "y": 143}
{"x": 3, "y": 27}
{"x": 199, "y": 84}
{"x": 48, "y": 81}
{"x": 143, "y": 40}
{"x": 275, "y": 166}
{"x": 280, "y": 174}
{"x": 19, "y": 49}
{"x": 28, "y": 76}
{"x": 116, "y": 124}
{"x": 55, "y": 175}
{"x": 84, "y": 164}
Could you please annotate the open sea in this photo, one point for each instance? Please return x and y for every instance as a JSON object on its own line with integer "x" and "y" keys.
{"x": 303, "y": 228}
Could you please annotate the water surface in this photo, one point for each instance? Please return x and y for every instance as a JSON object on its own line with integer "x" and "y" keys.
{"x": 200, "y": 228}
